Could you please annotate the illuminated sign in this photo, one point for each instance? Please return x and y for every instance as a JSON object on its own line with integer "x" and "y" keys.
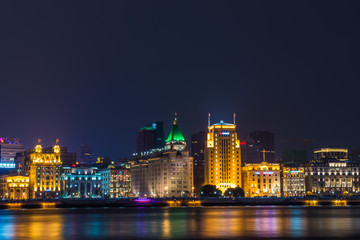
{"x": 258, "y": 173}
{"x": 224, "y": 133}
{"x": 294, "y": 171}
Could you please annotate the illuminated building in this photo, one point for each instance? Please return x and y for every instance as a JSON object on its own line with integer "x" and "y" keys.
{"x": 222, "y": 156}
{"x": 14, "y": 187}
{"x": 332, "y": 174}
{"x": 262, "y": 179}
{"x": 9, "y": 147}
{"x": 44, "y": 172}
{"x": 198, "y": 142}
{"x": 293, "y": 180}
{"x": 340, "y": 154}
{"x": 168, "y": 173}
{"x": 265, "y": 140}
{"x": 115, "y": 181}
{"x": 82, "y": 182}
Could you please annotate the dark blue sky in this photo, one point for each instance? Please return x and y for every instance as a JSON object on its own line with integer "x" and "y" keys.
{"x": 97, "y": 71}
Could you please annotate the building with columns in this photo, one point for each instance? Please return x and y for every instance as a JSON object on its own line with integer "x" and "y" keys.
{"x": 223, "y": 156}
{"x": 14, "y": 187}
{"x": 82, "y": 182}
{"x": 293, "y": 180}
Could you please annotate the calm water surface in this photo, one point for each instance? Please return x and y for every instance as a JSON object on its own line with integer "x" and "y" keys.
{"x": 204, "y": 222}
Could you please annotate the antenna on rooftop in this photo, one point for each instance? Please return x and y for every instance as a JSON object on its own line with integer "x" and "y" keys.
{"x": 209, "y": 120}
{"x": 234, "y": 118}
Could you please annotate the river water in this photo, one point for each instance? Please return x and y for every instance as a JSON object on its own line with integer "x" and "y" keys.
{"x": 182, "y": 223}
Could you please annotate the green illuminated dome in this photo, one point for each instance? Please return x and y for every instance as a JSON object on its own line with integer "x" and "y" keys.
{"x": 175, "y": 133}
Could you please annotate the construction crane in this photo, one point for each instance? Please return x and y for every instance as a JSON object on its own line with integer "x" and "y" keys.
{"x": 304, "y": 140}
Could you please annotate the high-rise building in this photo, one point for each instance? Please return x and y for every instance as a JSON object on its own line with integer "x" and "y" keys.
{"x": 340, "y": 154}
{"x": 168, "y": 173}
{"x": 250, "y": 151}
{"x": 150, "y": 137}
{"x": 262, "y": 179}
{"x": 223, "y": 156}
{"x": 265, "y": 140}
{"x": 85, "y": 155}
{"x": 9, "y": 147}
{"x": 43, "y": 170}
{"x": 198, "y": 142}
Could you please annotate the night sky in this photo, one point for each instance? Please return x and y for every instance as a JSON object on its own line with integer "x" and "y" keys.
{"x": 96, "y": 72}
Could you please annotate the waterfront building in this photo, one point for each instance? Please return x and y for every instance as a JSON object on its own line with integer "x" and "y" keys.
{"x": 43, "y": 170}
{"x": 150, "y": 137}
{"x": 222, "y": 156}
{"x": 85, "y": 155}
{"x": 198, "y": 142}
{"x": 333, "y": 177}
{"x": 115, "y": 181}
{"x": 82, "y": 182}
{"x": 293, "y": 179}
{"x": 14, "y": 187}
{"x": 265, "y": 140}
{"x": 340, "y": 154}
{"x": 9, "y": 147}
{"x": 166, "y": 173}
{"x": 262, "y": 179}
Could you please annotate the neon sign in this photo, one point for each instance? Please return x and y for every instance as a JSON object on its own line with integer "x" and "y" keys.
{"x": 225, "y": 133}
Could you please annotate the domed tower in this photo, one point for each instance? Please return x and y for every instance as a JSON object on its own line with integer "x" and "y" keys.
{"x": 175, "y": 140}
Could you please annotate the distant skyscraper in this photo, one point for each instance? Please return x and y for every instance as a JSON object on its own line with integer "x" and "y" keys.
{"x": 250, "y": 151}
{"x": 85, "y": 155}
{"x": 150, "y": 137}
{"x": 9, "y": 147}
{"x": 265, "y": 140}
{"x": 222, "y": 156}
{"x": 198, "y": 142}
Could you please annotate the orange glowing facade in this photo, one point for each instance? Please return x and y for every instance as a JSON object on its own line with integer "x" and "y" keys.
{"x": 14, "y": 187}
{"x": 222, "y": 156}
{"x": 44, "y": 173}
{"x": 262, "y": 179}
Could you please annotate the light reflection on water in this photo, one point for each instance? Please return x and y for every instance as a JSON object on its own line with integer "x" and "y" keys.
{"x": 205, "y": 222}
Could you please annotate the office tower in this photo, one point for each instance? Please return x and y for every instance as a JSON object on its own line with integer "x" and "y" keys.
{"x": 261, "y": 179}
{"x": 265, "y": 140}
{"x": 9, "y": 147}
{"x": 340, "y": 154}
{"x": 250, "y": 152}
{"x": 150, "y": 137}
{"x": 198, "y": 142}
{"x": 168, "y": 173}
{"x": 222, "y": 156}
{"x": 294, "y": 156}
{"x": 43, "y": 170}
{"x": 85, "y": 155}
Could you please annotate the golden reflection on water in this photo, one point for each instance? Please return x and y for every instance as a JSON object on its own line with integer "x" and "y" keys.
{"x": 204, "y": 222}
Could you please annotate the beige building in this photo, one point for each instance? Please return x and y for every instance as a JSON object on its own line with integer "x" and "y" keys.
{"x": 261, "y": 179}
{"x": 167, "y": 173}
{"x": 293, "y": 180}
{"x": 223, "y": 157}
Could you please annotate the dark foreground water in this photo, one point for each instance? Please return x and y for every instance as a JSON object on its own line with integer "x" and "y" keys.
{"x": 204, "y": 222}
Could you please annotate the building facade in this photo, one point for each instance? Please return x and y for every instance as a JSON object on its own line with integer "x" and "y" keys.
{"x": 293, "y": 179}
{"x": 43, "y": 170}
{"x": 262, "y": 179}
{"x": 115, "y": 182}
{"x": 223, "y": 157}
{"x": 82, "y": 182}
{"x": 14, "y": 187}
{"x": 340, "y": 154}
{"x": 168, "y": 173}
